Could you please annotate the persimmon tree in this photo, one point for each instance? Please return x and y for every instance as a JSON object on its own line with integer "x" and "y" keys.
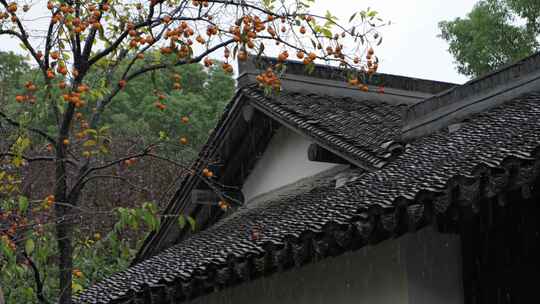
{"x": 102, "y": 244}
{"x": 69, "y": 39}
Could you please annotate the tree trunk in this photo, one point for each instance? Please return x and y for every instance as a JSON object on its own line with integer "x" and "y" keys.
{"x": 65, "y": 264}
{"x": 63, "y": 227}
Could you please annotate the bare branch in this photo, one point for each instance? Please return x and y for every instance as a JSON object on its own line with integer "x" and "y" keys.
{"x": 37, "y": 278}
{"x": 28, "y": 159}
{"x": 125, "y": 180}
{"x": 48, "y": 45}
{"x": 168, "y": 160}
{"x": 36, "y": 158}
{"x": 81, "y": 180}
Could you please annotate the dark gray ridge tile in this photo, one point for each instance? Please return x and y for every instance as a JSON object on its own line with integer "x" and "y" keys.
{"x": 504, "y": 137}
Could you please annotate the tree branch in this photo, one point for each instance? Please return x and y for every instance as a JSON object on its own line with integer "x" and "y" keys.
{"x": 37, "y": 278}
{"x": 91, "y": 38}
{"x": 125, "y": 180}
{"x": 36, "y": 159}
{"x": 10, "y": 32}
{"x": 167, "y": 160}
{"x": 34, "y": 130}
{"x": 181, "y": 62}
{"x": 23, "y": 36}
{"x": 114, "y": 45}
{"x": 80, "y": 182}
{"x": 48, "y": 45}
{"x": 28, "y": 159}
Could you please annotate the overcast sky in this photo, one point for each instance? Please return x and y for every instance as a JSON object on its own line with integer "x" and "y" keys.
{"x": 410, "y": 45}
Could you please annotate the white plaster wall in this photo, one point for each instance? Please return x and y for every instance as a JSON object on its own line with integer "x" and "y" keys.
{"x": 284, "y": 161}
{"x": 414, "y": 269}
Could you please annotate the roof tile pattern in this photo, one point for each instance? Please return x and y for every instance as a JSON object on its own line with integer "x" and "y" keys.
{"x": 357, "y": 128}
{"x": 490, "y": 153}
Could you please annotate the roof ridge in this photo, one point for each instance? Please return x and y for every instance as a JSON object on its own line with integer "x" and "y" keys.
{"x": 472, "y": 97}
{"x": 363, "y": 158}
{"x": 329, "y": 72}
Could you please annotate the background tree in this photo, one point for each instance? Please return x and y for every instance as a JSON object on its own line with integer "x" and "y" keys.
{"x": 90, "y": 52}
{"x": 12, "y": 68}
{"x": 494, "y": 33}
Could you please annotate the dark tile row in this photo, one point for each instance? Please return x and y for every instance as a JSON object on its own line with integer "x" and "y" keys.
{"x": 361, "y": 129}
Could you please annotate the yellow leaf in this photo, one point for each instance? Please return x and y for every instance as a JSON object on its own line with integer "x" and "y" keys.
{"x": 76, "y": 287}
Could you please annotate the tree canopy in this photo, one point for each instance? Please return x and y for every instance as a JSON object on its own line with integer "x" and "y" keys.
{"x": 494, "y": 33}
{"x": 101, "y": 251}
{"x": 12, "y": 69}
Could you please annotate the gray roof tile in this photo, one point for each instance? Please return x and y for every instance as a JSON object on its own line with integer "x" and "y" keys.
{"x": 356, "y": 128}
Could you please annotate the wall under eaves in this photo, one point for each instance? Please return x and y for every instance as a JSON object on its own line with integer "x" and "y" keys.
{"x": 285, "y": 161}
{"x": 420, "y": 268}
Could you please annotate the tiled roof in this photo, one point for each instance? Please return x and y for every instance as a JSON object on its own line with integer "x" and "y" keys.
{"x": 365, "y": 131}
{"x": 357, "y": 128}
{"x": 490, "y": 153}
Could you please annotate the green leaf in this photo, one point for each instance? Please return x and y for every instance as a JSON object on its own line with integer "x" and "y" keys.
{"x": 21, "y": 144}
{"x": 181, "y": 221}
{"x": 6, "y": 251}
{"x": 310, "y": 68}
{"x": 91, "y": 131}
{"x": 163, "y": 135}
{"x": 329, "y": 16}
{"x": 104, "y": 149}
{"x": 17, "y": 161}
{"x": 149, "y": 219}
{"x": 60, "y": 109}
{"x": 28, "y": 292}
{"x": 76, "y": 287}
{"x": 23, "y": 204}
{"x": 326, "y": 32}
{"x": 89, "y": 143}
{"x": 191, "y": 222}
{"x": 352, "y": 17}
{"x": 29, "y": 246}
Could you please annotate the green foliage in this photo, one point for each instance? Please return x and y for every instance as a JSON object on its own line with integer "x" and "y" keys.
{"x": 132, "y": 114}
{"x": 95, "y": 257}
{"x": 13, "y": 68}
{"x": 490, "y": 36}
{"x": 528, "y": 10}
{"x": 202, "y": 98}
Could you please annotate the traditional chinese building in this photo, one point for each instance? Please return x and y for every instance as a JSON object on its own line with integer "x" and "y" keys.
{"x": 427, "y": 192}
